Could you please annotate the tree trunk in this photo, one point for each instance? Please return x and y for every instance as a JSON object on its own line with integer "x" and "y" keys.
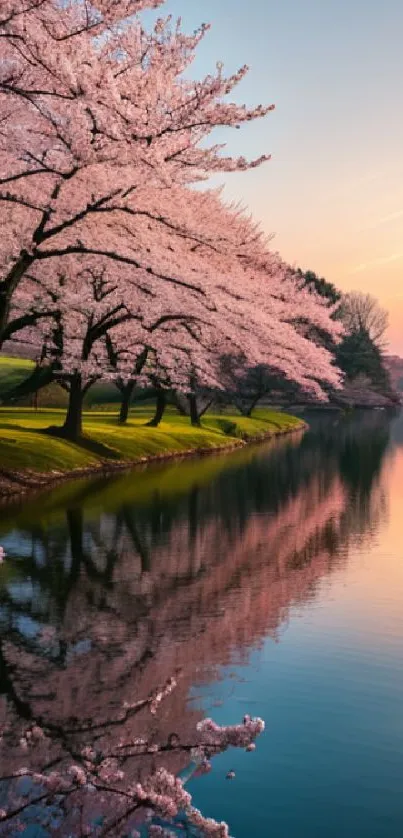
{"x": 159, "y": 411}
{"x": 239, "y": 404}
{"x": 255, "y": 401}
{"x": 76, "y": 532}
{"x": 73, "y": 425}
{"x": 194, "y": 415}
{"x": 7, "y": 288}
{"x": 206, "y": 407}
{"x": 140, "y": 543}
{"x": 246, "y": 408}
{"x": 127, "y": 393}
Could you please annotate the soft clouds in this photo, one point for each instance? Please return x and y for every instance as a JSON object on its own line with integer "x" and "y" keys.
{"x": 390, "y": 218}
{"x": 375, "y": 263}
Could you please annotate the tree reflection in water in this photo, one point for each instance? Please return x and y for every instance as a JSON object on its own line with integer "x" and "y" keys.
{"x": 113, "y": 607}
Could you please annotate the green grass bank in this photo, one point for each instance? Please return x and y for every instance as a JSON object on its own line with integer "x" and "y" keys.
{"x": 29, "y": 457}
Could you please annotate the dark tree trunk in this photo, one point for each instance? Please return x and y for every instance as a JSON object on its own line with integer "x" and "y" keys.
{"x": 204, "y": 409}
{"x": 73, "y": 425}
{"x": 159, "y": 411}
{"x": 255, "y": 401}
{"x": 7, "y": 288}
{"x": 239, "y": 404}
{"x": 127, "y": 393}
{"x": 22, "y": 707}
{"x": 76, "y": 532}
{"x": 246, "y": 408}
{"x": 75, "y": 521}
{"x": 139, "y": 543}
{"x": 194, "y": 415}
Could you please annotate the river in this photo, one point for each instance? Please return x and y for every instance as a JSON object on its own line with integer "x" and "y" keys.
{"x": 269, "y": 580}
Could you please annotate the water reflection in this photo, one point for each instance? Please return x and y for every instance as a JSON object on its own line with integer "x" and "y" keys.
{"x": 110, "y": 587}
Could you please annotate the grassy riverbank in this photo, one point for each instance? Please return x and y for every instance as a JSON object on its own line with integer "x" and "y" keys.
{"x": 24, "y": 449}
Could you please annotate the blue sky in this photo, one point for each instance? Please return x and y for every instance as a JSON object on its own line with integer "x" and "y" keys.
{"x": 333, "y": 192}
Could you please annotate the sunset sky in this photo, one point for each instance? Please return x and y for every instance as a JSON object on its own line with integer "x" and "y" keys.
{"x": 333, "y": 192}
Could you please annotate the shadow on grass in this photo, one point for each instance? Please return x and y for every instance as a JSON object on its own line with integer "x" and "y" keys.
{"x": 7, "y": 426}
{"x": 84, "y": 442}
{"x": 227, "y": 427}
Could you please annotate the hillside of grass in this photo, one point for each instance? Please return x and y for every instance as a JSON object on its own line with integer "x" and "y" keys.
{"x": 24, "y": 446}
{"x": 13, "y": 371}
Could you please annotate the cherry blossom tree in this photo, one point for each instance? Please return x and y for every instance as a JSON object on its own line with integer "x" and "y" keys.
{"x": 91, "y": 113}
{"x": 247, "y": 386}
{"x": 104, "y": 238}
{"x": 80, "y": 788}
{"x": 95, "y": 323}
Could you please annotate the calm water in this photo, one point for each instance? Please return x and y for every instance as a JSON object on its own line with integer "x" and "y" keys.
{"x": 271, "y": 580}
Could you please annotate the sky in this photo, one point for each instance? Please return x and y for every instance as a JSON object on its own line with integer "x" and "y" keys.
{"x": 333, "y": 192}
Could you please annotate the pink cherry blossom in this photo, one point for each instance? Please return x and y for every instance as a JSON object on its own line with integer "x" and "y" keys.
{"x": 88, "y": 122}
{"x": 113, "y": 265}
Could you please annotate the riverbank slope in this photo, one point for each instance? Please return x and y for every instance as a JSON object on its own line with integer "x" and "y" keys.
{"x": 30, "y": 458}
